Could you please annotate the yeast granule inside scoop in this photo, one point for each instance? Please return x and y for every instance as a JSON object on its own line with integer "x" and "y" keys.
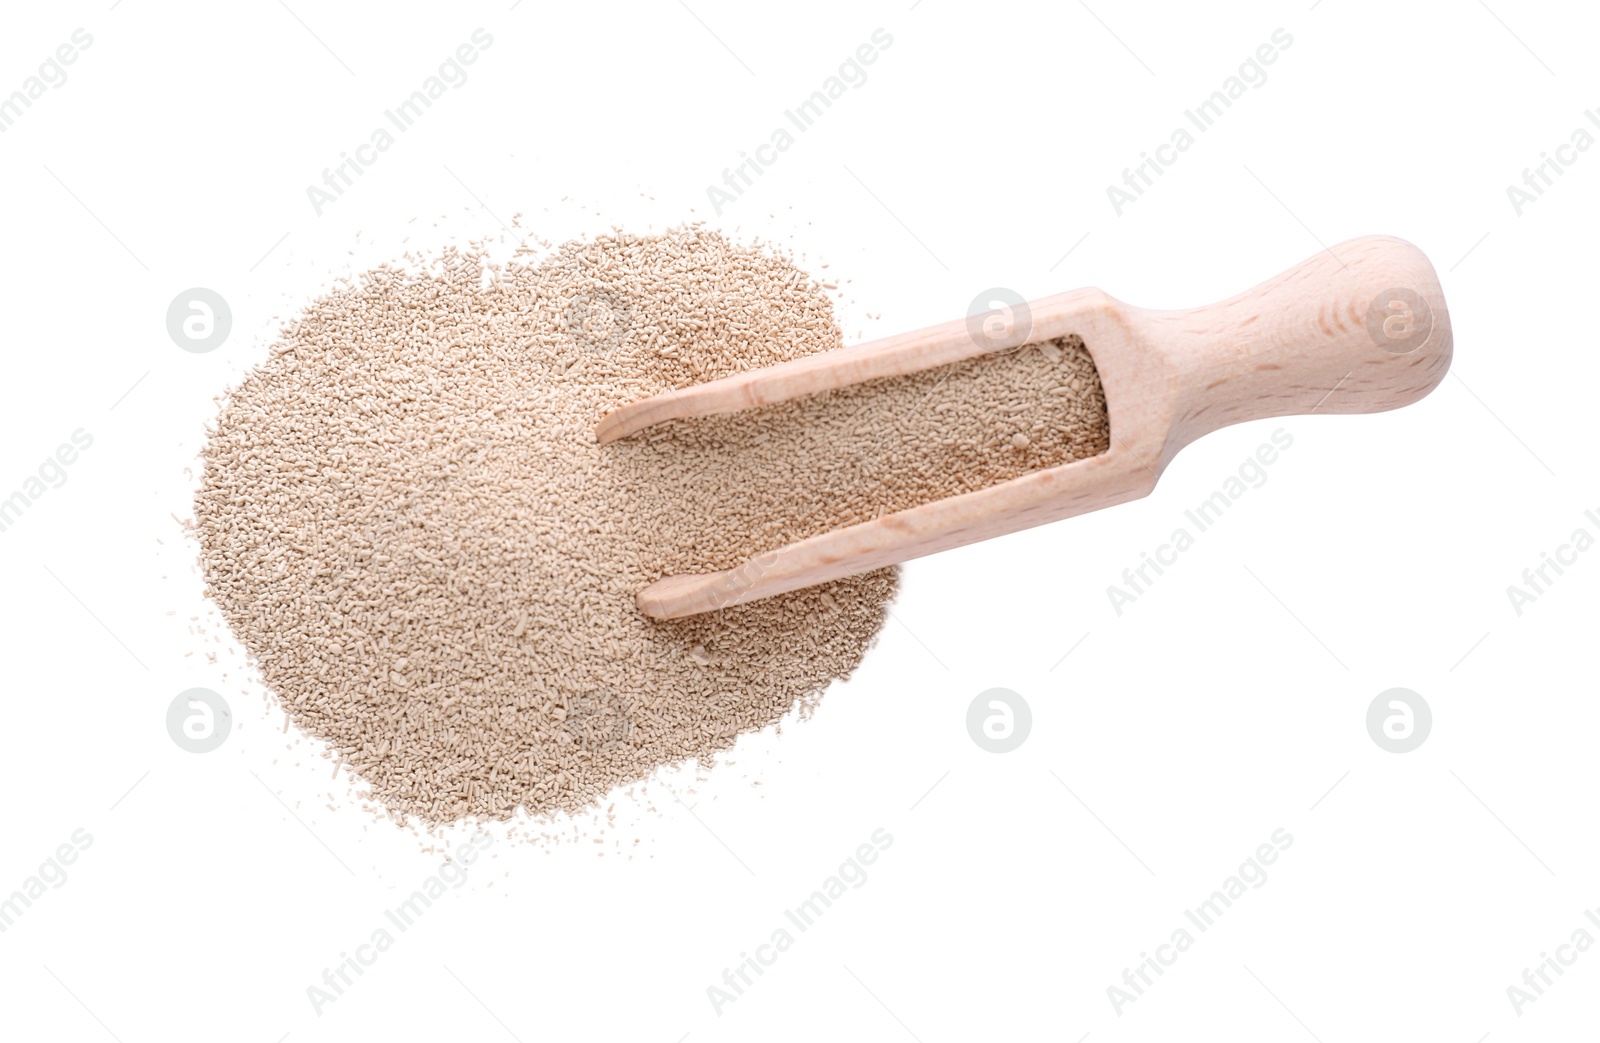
{"x": 406, "y": 521}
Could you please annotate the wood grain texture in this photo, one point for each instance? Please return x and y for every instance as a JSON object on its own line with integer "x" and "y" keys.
{"x": 1360, "y": 328}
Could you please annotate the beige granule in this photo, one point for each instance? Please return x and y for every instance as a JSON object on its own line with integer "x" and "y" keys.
{"x": 406, "y": 520}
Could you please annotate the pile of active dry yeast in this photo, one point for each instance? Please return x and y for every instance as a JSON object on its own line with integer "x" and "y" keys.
{"x": 406, "y": 520}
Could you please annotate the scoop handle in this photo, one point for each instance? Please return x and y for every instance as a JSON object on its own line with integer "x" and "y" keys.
{"x": 1360, "y": 328}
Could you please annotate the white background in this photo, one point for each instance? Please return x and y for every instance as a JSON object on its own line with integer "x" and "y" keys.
{"x": 1168, "y": 742}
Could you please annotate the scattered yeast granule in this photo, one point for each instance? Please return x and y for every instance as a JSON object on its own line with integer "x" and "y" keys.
{"x": 407, "y": 523}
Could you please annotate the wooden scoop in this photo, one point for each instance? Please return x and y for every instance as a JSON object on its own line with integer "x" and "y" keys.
{"x": 1360, "y": 328}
